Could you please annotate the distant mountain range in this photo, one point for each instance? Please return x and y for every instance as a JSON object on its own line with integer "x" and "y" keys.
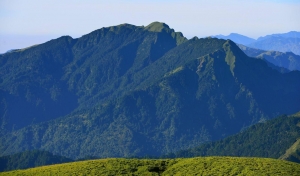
{"x": 126, "y": 90}
{"x": 286, "y": 42}
{"x": 237, "y": 38}
{"x": 287, "y": 60}
{"x": 291, "y": 34}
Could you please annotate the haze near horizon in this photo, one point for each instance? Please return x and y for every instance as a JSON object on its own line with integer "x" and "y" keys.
{"x": 25, "y": 23}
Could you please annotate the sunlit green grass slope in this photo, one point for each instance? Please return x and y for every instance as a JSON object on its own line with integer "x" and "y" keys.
{"x": 190, "y": 166}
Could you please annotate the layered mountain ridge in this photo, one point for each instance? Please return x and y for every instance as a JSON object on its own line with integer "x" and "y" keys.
{"x": 286, "y": 61}
{"x": 286, "y": 42}
{"x": 133, "y": 91}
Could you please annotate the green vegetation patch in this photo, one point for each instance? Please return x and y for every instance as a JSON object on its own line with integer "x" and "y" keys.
{"x": 190, "y": 166}
{"x": 230, "y": 58}
{"x": 232, "y": 166}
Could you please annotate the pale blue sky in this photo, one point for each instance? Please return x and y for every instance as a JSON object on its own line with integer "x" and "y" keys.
{"x": 27, "y": 22}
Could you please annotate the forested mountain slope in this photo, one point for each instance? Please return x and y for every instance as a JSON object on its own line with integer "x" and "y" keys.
{"x": 276, "y": 138}
{"x": 63, "y": 73}
{"x": 287, "y": 60}
{"x": 135, "y": 91}
{"x": 29, "y": 159}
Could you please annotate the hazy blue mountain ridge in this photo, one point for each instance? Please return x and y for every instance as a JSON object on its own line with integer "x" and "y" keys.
{"x": 285, "y": 42}
{"x": 237, "y": 38}
{"x": 291, "y": 34}
{"x": 287, "y": 60}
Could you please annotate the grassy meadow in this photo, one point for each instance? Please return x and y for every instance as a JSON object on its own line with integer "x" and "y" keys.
{"x": 180, "y": 166}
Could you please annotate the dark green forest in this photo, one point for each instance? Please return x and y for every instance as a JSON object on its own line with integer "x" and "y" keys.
{"x": 29, "y": 159}
{"x": 270, "y": 139}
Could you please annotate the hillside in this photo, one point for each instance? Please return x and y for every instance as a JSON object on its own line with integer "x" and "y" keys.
{"x": 191, "y": 166}
{"x": 128, "y": 91}
{"x": 64, "y": 73}
{"x": 30, "y": 159}
{"x": 293, "y": 153}
{"x": 276, "y": 138}
{"x": 287, "y": 60}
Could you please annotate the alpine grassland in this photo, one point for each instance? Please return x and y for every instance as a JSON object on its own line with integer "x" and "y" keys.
{"x": 179, "y": 166}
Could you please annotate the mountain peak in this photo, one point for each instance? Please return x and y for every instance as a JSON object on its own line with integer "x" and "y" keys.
{"x": 163, "y": 27}
{"x": 157, "y": 27}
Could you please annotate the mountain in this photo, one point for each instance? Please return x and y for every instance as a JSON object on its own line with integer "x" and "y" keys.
{"x": 287, "y": 60}
{"x": 61, "y": 74}
{"x": 291, "y": 34}
{"x": 127, "y": 90}
{"x": 276, "y": 138}
{"x": 237, "y": 38}
{"x": 30, "y": 159}
{"x": 251, "y": 52}
{"x": 278, "y": 43}
{"x": 181, "y": 166}
{"x": 285, "y": 42}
